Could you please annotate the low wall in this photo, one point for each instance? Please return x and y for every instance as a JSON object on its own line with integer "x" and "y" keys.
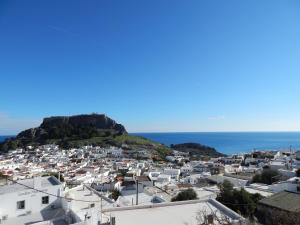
{"x": 153, "y": 206}
{"x": 100, "y": 195}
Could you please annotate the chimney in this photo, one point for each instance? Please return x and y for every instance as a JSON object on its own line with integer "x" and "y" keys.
{"x": 37, "y": 183}
{"x": 210, "y": 219}
{"x": 112, "y": 220}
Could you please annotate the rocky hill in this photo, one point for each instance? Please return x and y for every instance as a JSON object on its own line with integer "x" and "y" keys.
{"x": 197, "y": 149}
{"x": 80, "y": 130}
{"x": 74, "y": 127}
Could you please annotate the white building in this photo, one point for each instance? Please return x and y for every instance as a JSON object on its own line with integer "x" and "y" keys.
{"x": 233, "y": 168}
{"x": 86, "y": 205}
{"x": 296, "y": 161}
{"x": 278, "y": 164}
{"x": 292, "y": 184}
{"x": 30, "y": 200}
{"x": 174, "y": 173}
{"x": 287, "y": 173}
{"x": 235, "y": 181}
{"x": 170, "y": 158}
{"x": 153, "y": 175}
{"x": 163, "y": 178}
{"x": 187, "y": 168}
{"x": 200, "y": 167}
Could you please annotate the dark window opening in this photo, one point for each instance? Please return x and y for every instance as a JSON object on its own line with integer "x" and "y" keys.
{"x": 45, "y": 200}
{"x": 21, "y": 205}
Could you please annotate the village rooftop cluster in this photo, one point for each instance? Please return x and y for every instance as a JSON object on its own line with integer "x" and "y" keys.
{"x": 47, "y": 185}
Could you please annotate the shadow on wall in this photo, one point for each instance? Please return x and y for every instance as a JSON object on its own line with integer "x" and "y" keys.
{"x": 51, "y": 211}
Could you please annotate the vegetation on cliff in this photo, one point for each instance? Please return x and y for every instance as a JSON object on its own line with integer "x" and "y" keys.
{"x": 197, "y": 150}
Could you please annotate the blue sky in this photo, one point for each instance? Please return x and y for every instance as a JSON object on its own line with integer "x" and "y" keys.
{"x": 152, "y": 65}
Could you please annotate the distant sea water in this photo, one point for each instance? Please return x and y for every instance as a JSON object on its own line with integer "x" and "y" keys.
{"x": 231, "y": 142}
{"x": 2, "y": 138}
{"x": 227, "y": 142}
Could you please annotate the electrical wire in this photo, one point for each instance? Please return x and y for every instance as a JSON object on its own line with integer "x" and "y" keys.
{"x": 80, "y": 200}
{"x": 68, "y": 199}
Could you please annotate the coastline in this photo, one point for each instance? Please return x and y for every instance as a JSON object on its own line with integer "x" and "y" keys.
{"x": 225, "y": 142}
{"x": 230, "y": 142}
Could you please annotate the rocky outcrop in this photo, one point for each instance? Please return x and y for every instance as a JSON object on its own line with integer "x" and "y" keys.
{"x": 81, "y": 130}
{"x": 67, "y": 129}
{"x": 66, "y": 126}
{"x": 99, "y": 121}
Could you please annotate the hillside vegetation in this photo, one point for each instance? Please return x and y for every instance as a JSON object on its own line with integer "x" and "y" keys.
{"x": 195, "y": 149}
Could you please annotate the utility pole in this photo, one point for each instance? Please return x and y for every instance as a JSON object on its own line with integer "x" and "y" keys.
{"x": 137, "y": 192}
{"x": 101, "y": 210}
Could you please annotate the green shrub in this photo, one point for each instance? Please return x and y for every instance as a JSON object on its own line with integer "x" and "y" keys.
{"x": 188, "y": 194}
{"x": 268, "y": 176}
{"x": 115, "y": 194}
{"x": 238, "y": 200}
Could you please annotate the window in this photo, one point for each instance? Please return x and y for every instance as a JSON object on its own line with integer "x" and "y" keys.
{"x": 21, "y": 205}
{"x": 45, "y": 200}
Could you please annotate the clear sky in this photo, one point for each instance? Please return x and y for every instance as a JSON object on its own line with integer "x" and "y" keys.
{"x": 152, "y": 65}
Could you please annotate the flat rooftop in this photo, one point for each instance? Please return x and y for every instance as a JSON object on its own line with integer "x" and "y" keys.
{"x": 235, "y": 181}
{"x": 91, "y": 201}
{"x": 14, "y": 187}
{"x": 257, "y": 191}
{"x": 175, "y": 213}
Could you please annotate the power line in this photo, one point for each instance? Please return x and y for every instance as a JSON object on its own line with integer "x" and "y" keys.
{"x": 80, "y": 200}
{"x": 68, "y": 199}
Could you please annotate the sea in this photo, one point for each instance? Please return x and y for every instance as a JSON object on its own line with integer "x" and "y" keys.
{"x": 3, "y": 138}
{"x": 228, "y": 142}
{"x": 232, "y": 142}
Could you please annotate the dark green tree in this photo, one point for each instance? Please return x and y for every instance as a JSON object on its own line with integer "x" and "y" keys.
{"x": 244, "y": 202}
{"x": 226, "y": 191}
{"x": 115, "y": 194}
{"x": 268, "y": 176}
{"x": 188, "y": 194}
{"x": 238, "y": 200}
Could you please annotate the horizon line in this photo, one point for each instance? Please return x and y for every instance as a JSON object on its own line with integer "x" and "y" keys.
{"x": 162, "y": 132}
{"x": 266, "y": 131}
